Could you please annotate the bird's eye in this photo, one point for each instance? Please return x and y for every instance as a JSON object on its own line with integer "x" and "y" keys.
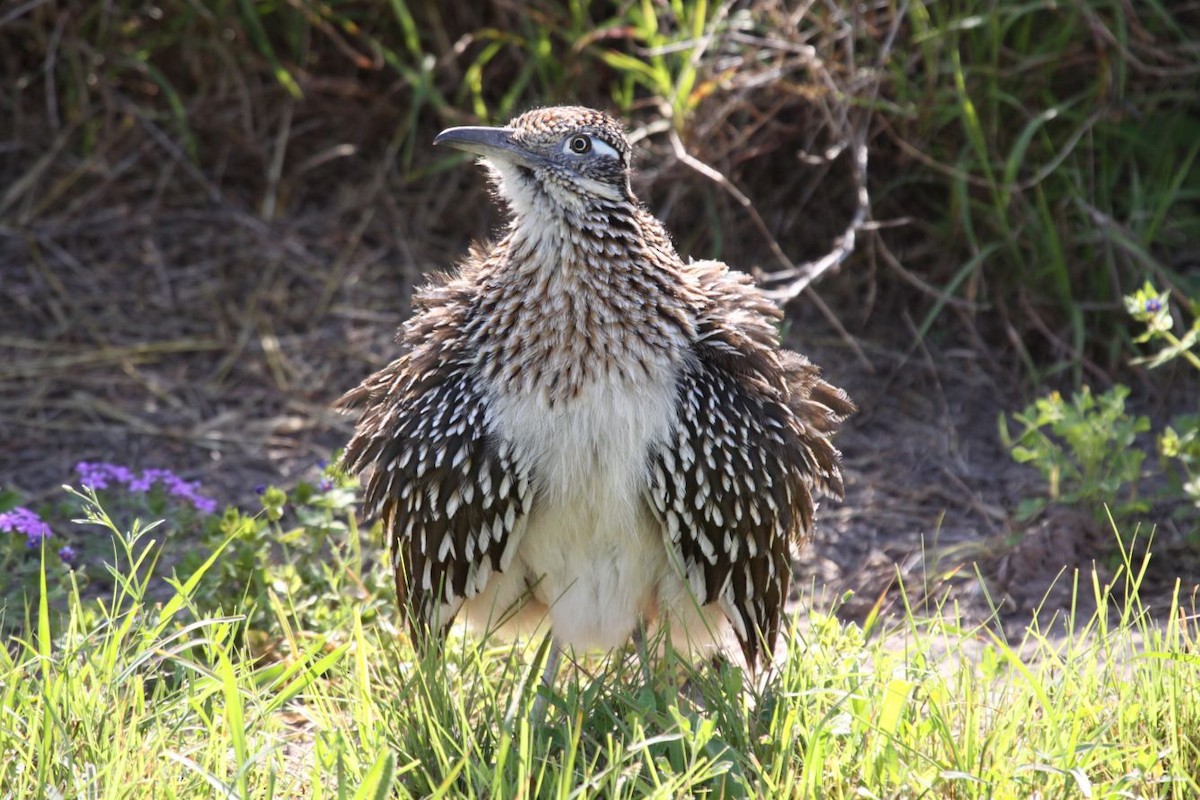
{"x": 579, "y": 144}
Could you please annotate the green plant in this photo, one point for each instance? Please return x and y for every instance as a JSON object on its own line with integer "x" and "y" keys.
{"x": 26, "y": 552}
{"x": 1179, "y": 442}
{"x": 1153, "y": 309}
{"x": 129, "y": 497}
{"x": 137, "y": 693}
{"x": 1084, "y": 449}
{"x": 297, "y": 545}
{"x": 1184, "y": 449}
{"x": 300, "y": 544}
{"x": 672, "y": 37}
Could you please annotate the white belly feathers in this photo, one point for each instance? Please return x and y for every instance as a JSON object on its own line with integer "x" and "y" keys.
{"x": 592, "y": 556}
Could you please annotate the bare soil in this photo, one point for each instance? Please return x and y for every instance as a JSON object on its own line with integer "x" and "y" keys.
{"x": 929, "y": 514}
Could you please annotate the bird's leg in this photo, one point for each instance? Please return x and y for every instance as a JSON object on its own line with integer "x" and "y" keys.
{"x": 639, "y": 642}
{"x": 538, "y": 714}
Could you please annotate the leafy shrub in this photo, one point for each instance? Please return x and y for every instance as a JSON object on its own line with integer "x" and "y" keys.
{"x": 1083, "y": 448}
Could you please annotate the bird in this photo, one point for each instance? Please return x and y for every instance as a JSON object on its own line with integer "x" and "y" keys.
{"x": 584, "y": 433}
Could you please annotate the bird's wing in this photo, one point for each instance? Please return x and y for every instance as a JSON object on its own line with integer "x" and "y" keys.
{"x": 452, "y": 497}
{"x": 734, "y": 488}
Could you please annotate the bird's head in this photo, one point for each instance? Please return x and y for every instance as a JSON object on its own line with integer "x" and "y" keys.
{"x": 574, "y": 158}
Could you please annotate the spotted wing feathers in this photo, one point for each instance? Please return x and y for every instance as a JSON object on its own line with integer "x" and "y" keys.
{"x": 452, "y": 498}
{"x": 734, "y": 487}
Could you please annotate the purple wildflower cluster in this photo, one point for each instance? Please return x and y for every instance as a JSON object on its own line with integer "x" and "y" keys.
{"x": 22, "y": 520}
{"x": 102, "y": 475}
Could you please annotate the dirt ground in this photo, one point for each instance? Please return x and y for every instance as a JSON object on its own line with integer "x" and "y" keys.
{"x": 209, "y": 342}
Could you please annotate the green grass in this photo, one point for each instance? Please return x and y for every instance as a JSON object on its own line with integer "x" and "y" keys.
{"x": 1058, "y": 144}
{"x": 130, "y": 696}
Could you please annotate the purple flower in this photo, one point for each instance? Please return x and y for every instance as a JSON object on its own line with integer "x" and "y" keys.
{"x": 100, "y": 475}
{"x": 1153, "y": 305}
{"x": 67, "y": 553}
{"x": 260, "y": 488}
{"x": 150, "y": 477}
{"x": 325, "y": 485}
{"x": 22, "y": 520}
{"x": 93, "y": 475}
{"x": 205, "y": 505}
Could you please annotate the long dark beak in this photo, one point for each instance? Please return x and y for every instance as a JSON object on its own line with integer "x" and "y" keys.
{"x": 490, "y": 142}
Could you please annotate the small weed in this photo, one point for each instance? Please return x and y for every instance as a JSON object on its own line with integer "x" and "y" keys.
{"x": 1084, "y": 449}
{"x": 1153, "y": 309}
{"x": 1180, "y": 441}
{"x": 294, "y": 545}
{"x": 1183, "y": 447}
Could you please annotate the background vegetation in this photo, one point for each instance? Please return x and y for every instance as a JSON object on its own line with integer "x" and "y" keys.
{"x": 210, "y": 216}
{"x": 1033, "y": 161}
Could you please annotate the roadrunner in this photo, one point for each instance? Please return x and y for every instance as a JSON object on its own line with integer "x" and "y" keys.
{"x": 585, "y": 432}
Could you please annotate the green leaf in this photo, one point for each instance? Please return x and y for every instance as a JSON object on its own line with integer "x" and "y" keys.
{"x": 626, "y": 63}
{"x": 377, "y": 783}
{"x": 1016, "y": 155}
{"x": 1029, "y": 508}
{"x": 263, "y": 43}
